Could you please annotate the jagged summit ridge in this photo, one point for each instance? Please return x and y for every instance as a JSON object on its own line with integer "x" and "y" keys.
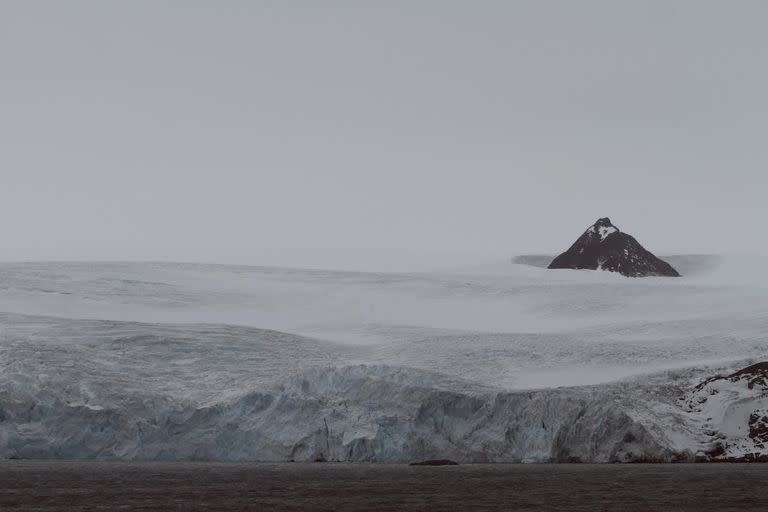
{"x": 604, "y": 246}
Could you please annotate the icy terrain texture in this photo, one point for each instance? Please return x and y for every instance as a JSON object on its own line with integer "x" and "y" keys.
{"x": 497, "y": 362}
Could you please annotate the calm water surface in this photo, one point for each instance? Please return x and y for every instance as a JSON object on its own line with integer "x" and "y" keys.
{"x": 45, "y": 485}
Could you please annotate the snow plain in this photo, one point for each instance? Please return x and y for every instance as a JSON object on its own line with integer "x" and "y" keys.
{"x": 493, "y": 362}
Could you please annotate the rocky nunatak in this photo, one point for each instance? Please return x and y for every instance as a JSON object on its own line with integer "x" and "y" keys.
{"x": 604, "y": 247}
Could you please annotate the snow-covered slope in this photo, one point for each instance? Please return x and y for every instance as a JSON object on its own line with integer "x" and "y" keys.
{"x": 733, "y": 413}
{"x": 512, "y": 363}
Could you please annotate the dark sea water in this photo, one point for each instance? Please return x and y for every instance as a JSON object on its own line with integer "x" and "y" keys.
{"x": 46, "y": 485}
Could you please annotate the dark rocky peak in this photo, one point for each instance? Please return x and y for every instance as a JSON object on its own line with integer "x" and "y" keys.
{"x": 603, "y": 246}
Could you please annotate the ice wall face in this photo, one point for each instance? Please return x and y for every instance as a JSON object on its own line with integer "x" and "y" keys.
{"x": 604, "y": 247}
{"x": 357, "y": 413}
{"x": 381, "y": 414}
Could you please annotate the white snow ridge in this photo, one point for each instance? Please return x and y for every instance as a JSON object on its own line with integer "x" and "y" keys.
{"x": 497, "y": 363}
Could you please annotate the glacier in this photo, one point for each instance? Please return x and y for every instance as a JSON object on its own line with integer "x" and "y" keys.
{"x": 497, "y": 362}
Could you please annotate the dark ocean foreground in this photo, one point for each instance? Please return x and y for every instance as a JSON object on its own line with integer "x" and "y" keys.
{"x": 57, "y": 485}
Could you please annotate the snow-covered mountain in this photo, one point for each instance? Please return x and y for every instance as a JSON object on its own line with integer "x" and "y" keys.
{"x": 604, "y": 247}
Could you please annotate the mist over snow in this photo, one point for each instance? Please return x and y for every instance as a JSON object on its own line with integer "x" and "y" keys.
{"x": 163, "y": 360}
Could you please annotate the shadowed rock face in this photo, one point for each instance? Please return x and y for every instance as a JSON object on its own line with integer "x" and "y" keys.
{"x": 604, "y": 247}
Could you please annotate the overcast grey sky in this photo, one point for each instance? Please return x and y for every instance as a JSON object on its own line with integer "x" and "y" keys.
{"x": 197, "y": 130}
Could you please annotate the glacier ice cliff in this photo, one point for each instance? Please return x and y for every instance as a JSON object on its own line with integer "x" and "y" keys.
{"x": 170, "y": 361}
{"x": 364, "y": 413}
